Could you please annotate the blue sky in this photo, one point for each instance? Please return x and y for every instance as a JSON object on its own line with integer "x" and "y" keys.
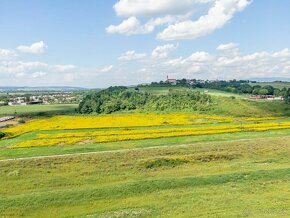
{"x": 107, "y": 42}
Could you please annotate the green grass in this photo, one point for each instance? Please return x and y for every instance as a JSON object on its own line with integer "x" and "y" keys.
{"x": 38, "y": 110}
{"x": 217, "y": 179}
{"x": 225, "y": 103}
{"x": 274, "y": 84}
{"x": 7, "y": 152}
{"x": 161, "y": 90}
{"x": 245, "y": 108}
{"x": 245, "y": 174}
{"x": 218, "y": 93}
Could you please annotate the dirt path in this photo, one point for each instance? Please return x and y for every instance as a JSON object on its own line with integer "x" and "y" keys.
{"x": 133, "y": 149}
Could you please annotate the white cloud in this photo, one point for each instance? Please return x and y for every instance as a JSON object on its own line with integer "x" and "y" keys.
{"x": 176, "y": 15}
{"x": 218, "y": 15}
{"x": 132, "y": 26}
{"x": 35, "y": 48}
{"x": 229, "y": 46}
{"x": 106, "y": 69}
{"x": 20, "y": 74}
{"x": 230, "y": 49}
{"x": 38, "y": 74}
{"x": 285, "y": 53}
{"x": 163, "y": 51}
{"x": 129, "y": 27}
{"x": 63, "y": 68}
{"x": 20, "y": 66}
{"x": 131, "y": 56}
{"x": 207, "y": 65}
{"x": 7, "y": 54}
{"x": 193, "y": 69}
{"x": 30, "y": 67}
{"x": 200, "y": 57}
{"x": 219, "y": 64}
{"x": 129, "y": 8}
{"x": 33, "y": 72}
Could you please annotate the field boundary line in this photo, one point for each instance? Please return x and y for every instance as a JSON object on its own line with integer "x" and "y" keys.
{"x": 131, "y": 149}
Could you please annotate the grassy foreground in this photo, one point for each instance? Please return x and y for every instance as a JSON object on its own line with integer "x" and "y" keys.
{"x": 217, "y": 179}
{"x": 37, "y": 110}
{"x": 150, "y": 164}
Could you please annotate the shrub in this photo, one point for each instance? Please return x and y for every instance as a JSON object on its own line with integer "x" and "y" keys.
{"x": 21, "y": 121}
{"x": 165, "y": 162}
{"x": 2, "y": 135}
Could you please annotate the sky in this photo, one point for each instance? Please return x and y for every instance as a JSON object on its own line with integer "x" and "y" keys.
{"x": 101, "y": 43}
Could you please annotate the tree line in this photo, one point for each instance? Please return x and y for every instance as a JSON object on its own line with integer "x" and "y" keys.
{"x": 241, "y": 86}
{"x": 233, "y": 86}
{"x": 116, "y": 99}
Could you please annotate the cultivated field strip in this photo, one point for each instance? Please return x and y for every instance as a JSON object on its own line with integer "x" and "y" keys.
{"x": 124, "y": 120}
{"x": 137, "y": 134}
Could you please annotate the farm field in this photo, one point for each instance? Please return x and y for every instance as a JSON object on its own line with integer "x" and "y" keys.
{"x": 130, "y": 164}
{"x": 221, "y": 93}
{"x": 74, "y": 134}
{"x": 36, "y": 110}
{"x": 278, "y": 85}
{"x": 159, "y": 90}
{"x": 230, "y": 179}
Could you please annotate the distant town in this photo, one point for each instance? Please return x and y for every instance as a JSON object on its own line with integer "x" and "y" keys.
{"x": 17, "y": 99}
{"x": 17, "y": 96}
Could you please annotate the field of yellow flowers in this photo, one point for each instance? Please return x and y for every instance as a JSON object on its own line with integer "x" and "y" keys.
{"x": 125, "y": 127}
{"x": 115, "y": 121}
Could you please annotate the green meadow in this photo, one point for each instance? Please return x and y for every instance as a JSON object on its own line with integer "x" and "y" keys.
{"x": 279, "y": 85}
{"x": 240, "y": 174}
{"x": 38, "y": 110}
{"x": 217, "y": 179}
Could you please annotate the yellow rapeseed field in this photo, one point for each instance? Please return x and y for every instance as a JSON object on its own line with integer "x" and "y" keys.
{"x": 138, "y": 134}
{"x": 112, "y": 121}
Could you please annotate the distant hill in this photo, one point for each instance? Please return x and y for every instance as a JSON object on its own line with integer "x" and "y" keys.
{"x": 118, "y": 99}
{"x": 40, "y": 89}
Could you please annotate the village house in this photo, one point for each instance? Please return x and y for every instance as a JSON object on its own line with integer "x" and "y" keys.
{"x": 266, "y": 97}
{"x": 171, "y": 81}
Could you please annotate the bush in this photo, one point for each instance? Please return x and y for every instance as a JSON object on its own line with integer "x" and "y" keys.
{"x": 2, "y": 135}
{"x": 165, "y": 162}
{"x": 21, "y": 121}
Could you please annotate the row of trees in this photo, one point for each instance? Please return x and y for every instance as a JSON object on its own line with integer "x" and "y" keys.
{"x": 242, "y": 86}
{"x": 234, "y": 86}
{"x": 116, "y": 99}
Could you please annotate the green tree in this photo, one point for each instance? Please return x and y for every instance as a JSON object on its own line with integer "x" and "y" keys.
{"x": 263, "y": 91}
{"x": 270, "y": 90}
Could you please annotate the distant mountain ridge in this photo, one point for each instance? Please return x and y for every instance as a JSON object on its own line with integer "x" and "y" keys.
{"x": 40, "y": 88}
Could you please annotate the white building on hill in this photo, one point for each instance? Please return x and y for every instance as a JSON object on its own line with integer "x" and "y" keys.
{"x": 171, "y": 81}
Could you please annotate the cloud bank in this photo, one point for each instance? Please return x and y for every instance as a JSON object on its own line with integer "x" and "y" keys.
{"x": 175, "y": 16}
{"x": 228, "y": 61}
